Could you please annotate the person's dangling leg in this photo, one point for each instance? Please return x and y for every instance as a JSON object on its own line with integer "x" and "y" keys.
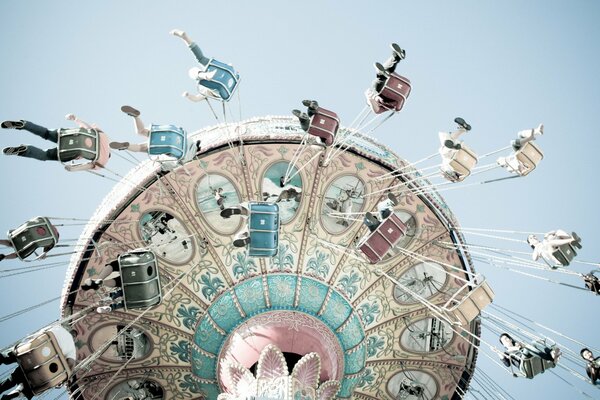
{"x": 138, "y": 148}
{"x": 457, "y": 133}
{"x": 44, "y": 133}
{"x": 390, "y": 64}
{"x": 32, "y": 152}
{"x": 37, "y": 130}
{"x": 7, "y": 357}
{"x": 202, "y": 59}
{"x": 10, "y": 381}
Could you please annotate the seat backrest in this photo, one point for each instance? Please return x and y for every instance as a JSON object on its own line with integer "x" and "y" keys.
{"x": 225, "y": 80}
{"x": 42, "y": 362}
{"x": 528, "y": 157}
{"x": 78, "y": 143}
{"x": 324, "y": 124}
{"x": 565, "y": 254}
{"x": 263, "y": 227}
{"x": 463, "y": 161}
{"x": 169, "y": 140}
{"x": 140, "y": 279}
{"x": 396, "y": 89}
{"x": 36, "y": 233}
{"x": 467, "y": 306}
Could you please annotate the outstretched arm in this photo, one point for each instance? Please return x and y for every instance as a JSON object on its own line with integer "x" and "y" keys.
{"x": 82, "y": 124}
{"x": 193, "y": 97}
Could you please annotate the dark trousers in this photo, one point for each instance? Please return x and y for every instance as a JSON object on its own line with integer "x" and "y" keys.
{"x": 46, "y": 134}
{"x": 15, "y": 378}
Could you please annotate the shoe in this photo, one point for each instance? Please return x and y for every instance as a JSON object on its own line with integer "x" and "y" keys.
{"x": 242, "y": 241}
{"x": 451, "y": 145}
{"x": 539, "y": 130}
{"x": 103, "y": 309}
{"x": 91, "y": 284}
{"x": 379, "y": 68}
{"x": 15, "y": 151}
{"x": 132, "y": 112}
{"x": 119, "y": 145}
{"x": 371, "y": 219}
{"x": 392, "y": 197}
{"x": 516, "y": 144}
{"x": 462, "y": 123}
{"x": 398, "y": 52}
{"x": 2, "y": 256}
{"x": 12, "y": 124}
{"x": 177, "y": 32}
{"x": 577, "y": 242}
{"x": 228, "y": 212}
{"x": 297, "y": 113}
{"x": 310, "y": 104}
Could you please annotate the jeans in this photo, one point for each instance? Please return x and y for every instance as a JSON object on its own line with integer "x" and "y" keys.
{"x": 46, "y": 134}
{"x": 198, "y": 53}
{"x": 15, "y": 378}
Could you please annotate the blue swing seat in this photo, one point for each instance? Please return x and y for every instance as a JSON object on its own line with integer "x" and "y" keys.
{"x": 225, "y": 81}
{"x": 168, "y": 140}
{"x": 263, "y": 229}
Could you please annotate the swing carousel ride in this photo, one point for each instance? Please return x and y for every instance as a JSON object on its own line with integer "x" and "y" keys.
{"x": 291, "y": 257}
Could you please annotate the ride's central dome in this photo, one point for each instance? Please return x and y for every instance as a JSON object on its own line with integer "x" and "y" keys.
{"x": 368, "y": 323}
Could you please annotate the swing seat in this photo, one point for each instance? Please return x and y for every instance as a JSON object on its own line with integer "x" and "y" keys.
{"x": 528, "y": 157}
{"x": 379, "y": 242}
{"x": 396, "y": 90}
{"x": 263, "y": 228}
{"x": 42, "y": 362}
{"x": 78, "y": 143}
{"x": 225, "y": 80}
{"x": 36, "y": 233}
{"x": 168, "y": 140}
{"x": 565, "y": 254}
{"x": 466, "y": 307}
{"x": 324, "y": 124}
{"x": 532, "y": 364}
{"x": 140, "y": 279}
{"x": 461, "y": 164}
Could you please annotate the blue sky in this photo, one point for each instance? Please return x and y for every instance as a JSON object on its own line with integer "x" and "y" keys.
{"x": 503, "y": 66}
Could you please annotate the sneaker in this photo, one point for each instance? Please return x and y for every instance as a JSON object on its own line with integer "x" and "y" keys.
{"x": 398, "y": 52}
{"x": 379, "y": 68}
{"x": 462, "y": 123}
{"x": 371, "y": 219}
{"x": 310, "y": 104}
{"x": 91, "y": 284}
{"x": 516, "y": 144}
{"x": 103, "y": 309}
{"x": 242, "y": 241}
{"x": 12, "y": 124}
{"x": 15, "y": 151}
{"x": 228, "y": 212}
{"x": 451, "y": 145}
{"x": 132, "y": 112}
{"x": 539, "y": 130}
{"x": 119, "y": 145}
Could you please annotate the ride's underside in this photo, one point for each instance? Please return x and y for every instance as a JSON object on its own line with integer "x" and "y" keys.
{"x": 218, "y": 303}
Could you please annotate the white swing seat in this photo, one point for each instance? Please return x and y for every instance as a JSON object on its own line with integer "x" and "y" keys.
{"x": 42, "y": 362}
{"x": 461, "y": 164}
{"x": 466, "y": 304}
{"x": 528, "y": 157}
